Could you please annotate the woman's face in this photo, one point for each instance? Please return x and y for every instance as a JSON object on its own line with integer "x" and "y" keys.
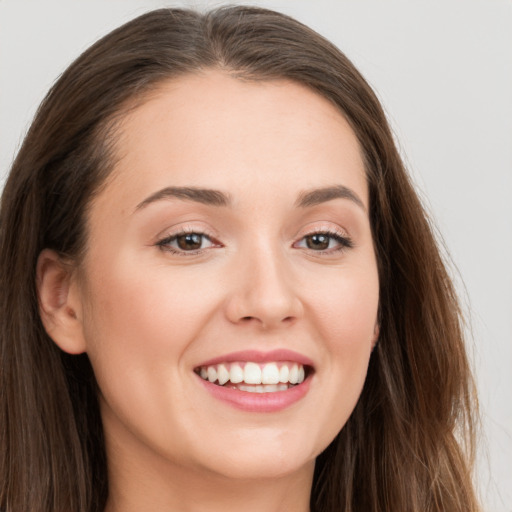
{"x": 232, "y": 243}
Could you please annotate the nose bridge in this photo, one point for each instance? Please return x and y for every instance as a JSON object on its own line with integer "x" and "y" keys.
{"x": 264, "y": 290}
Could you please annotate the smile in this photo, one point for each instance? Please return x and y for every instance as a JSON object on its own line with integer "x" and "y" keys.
{"x": 254, "y": 377}
{"x": 255, "y": 381}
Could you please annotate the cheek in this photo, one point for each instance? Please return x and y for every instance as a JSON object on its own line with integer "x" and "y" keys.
{"x": 141, "y": 307}
{"x": 141, "y": 324}
{"x": 139, "y": 327}
{"x": 132, "y": 323}
{"x": 346, "y": 308}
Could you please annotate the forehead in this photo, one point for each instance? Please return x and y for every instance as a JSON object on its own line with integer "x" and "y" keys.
{"x": 213, "y": 130}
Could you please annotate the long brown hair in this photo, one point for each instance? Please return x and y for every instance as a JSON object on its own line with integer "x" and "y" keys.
{"x": 407, "y": 445}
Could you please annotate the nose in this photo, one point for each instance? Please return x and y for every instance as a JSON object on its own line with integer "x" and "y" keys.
{"x": 263, "y": 291}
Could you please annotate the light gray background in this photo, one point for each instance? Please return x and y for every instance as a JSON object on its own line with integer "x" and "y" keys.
{"x": 443, "y": 70}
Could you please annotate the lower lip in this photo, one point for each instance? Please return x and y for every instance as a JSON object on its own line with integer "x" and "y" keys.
{"x": 258, "y": 402}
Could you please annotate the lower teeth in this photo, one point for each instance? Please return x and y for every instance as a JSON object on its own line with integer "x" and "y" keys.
{"x": 260, "y": 388}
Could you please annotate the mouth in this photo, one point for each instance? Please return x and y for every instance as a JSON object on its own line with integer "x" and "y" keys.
{"x": 257, "y": 382}
{"x": 255, "y": 377}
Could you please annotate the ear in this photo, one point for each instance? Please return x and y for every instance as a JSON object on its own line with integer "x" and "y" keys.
{"x": 59, "y": 302}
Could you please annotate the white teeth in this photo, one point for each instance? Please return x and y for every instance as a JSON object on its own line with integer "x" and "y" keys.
{"x": 270, "y": 374}
{"x": 212, "y": 374}
{"x": 294, "y": 374}
{"x": 252, "y": 373}
{"x": 262, "y": 388}
{"x": 262, "y": 378}
{"x": 236, "y": 374}
{"x": 222, "y": 374}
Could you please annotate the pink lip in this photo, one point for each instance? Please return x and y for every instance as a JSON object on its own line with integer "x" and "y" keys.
{"x": 256, "y": 356}
{"x": 258, "y": 402}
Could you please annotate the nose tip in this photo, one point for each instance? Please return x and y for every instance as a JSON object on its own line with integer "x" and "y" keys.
{"x": 266, "y": 316}
{"x": 270, "y": 316}
{"x": 264, "y": 295}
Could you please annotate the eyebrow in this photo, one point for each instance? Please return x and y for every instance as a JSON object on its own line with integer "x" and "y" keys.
{"x": 217, "y": 198}
{"x": 198, "y": 195}
{"x": 322, "y": 195}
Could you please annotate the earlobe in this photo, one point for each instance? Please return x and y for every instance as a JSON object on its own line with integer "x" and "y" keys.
{"x": 59, "y": 302}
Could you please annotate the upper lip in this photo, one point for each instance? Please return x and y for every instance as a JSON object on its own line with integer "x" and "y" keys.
{"x": 257, "y": 356}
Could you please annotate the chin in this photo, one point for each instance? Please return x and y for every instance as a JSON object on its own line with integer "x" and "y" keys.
{"x": 263, "y": 458}
{"x": 262, "y": 468}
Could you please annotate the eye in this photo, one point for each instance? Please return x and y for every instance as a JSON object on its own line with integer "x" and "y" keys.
{"x": 186, "y": 242}
{"x": 324, "y": 241}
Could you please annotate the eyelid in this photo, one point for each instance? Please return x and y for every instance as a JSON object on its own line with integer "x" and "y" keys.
{"x": 322, "y": 227}
{"x": 172, "y": 234}
{"x": 330, "y": 229}
{"x": 186, "y": 228}
{"x": 334, "y": 231}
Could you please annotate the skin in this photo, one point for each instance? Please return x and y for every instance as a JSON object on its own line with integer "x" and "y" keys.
{"x": 147, "y": 316}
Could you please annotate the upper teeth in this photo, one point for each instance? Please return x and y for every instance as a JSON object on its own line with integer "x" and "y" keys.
{"x": 253, "y": 373}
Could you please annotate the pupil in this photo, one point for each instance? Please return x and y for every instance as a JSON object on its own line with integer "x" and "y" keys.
{"x": 190, "y": 241}
{"x": 318, "y": 241}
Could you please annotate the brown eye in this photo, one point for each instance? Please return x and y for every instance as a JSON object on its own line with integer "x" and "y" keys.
{"x": 183, "y": 243}
{"x": 318, "y": 241}
{"x": 324, "y": 242}
{"x": 189, "y": 241}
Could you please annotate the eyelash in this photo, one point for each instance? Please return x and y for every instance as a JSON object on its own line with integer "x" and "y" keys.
{"x": 343, "y": 241}
{"x": 164, "y": 243}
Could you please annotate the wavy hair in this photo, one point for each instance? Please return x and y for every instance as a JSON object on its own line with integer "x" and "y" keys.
{"x": 408, "y": 444}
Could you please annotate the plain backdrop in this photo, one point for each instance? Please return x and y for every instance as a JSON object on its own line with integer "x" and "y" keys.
{"x": 443, "y": 70}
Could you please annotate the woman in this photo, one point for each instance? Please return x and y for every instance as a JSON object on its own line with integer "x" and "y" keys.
{"x": 219, "y": 289}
